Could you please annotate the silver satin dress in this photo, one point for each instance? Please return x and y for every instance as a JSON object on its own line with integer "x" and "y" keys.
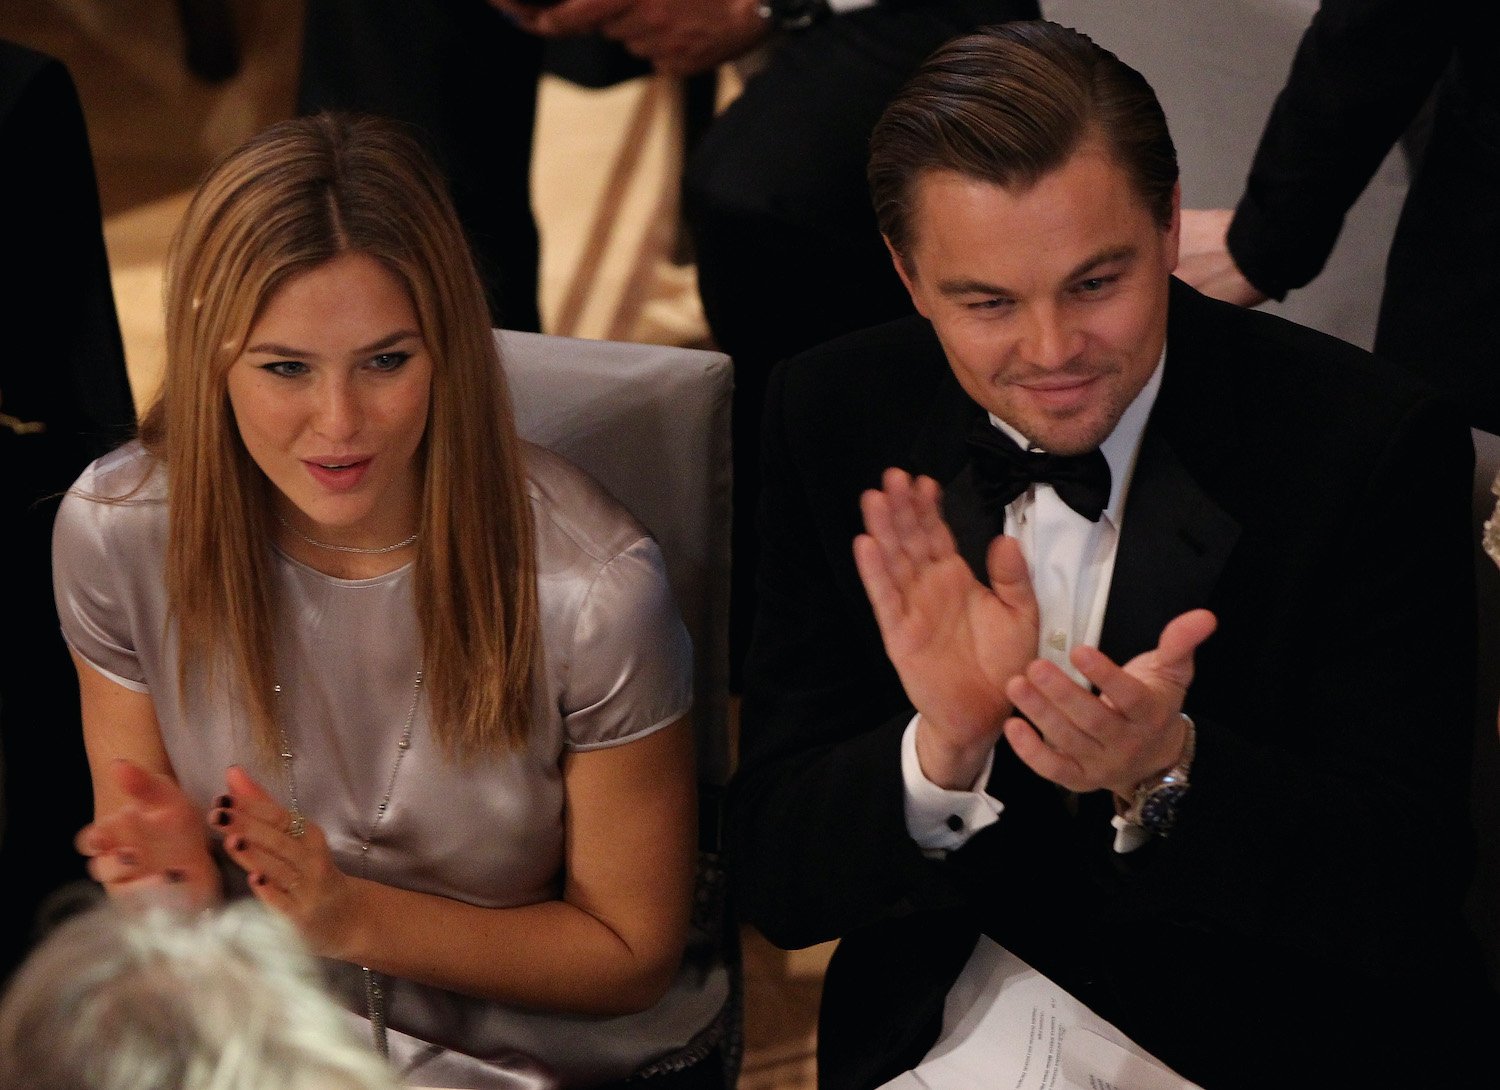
{"x": 617, "y": 667}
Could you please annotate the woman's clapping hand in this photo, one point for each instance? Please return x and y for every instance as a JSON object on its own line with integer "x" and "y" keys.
{"x": 153, "y": 843}
{"x": 286, "y": 861}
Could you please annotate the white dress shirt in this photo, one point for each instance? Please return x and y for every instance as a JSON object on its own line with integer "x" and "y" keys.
{"x": 1071, "y": 561}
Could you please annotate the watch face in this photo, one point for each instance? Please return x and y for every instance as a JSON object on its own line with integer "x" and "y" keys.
{"x": 1159, "y": 809}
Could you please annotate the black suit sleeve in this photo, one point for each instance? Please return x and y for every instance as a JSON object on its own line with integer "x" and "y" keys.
{"x": 68, "y": 370}
{"x": 1361, "y": 73}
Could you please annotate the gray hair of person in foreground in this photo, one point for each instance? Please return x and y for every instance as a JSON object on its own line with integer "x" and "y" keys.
{"x": 152, "y": 999}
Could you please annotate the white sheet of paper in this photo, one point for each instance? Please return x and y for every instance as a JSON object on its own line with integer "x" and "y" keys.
{"x": 1008, "y": 1027}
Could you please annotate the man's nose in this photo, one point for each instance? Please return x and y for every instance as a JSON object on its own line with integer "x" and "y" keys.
{"x": 1049, "y": 340}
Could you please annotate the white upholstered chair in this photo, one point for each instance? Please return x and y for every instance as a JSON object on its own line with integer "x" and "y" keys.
{"x": 651, "y": 424}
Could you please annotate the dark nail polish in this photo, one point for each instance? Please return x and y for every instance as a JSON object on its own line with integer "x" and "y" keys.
{"x": 221, "y": 817}
{"x": 224, "y": 802}
{"x": 175, "y": 876}
{"x": 237, "y": 843}
{"x": 128, "y": 858}
{"x": 259, "y": 879}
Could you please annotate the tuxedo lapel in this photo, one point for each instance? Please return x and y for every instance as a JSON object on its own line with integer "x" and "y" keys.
{"x": 1175, "y": 538}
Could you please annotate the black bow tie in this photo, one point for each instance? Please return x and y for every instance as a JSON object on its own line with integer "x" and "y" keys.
{"x": 1002, "y": 471}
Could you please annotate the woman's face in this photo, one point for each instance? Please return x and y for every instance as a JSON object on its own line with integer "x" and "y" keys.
{"x": 330, "y": 396}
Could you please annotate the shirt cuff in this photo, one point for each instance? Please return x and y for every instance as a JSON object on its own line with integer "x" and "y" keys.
{"x": 940, "y": 820}
{"x": 1128, "y": 837}
{"x": 840, "y": 7}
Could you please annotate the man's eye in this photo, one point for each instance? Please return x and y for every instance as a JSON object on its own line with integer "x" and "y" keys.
{"x": 988, "y": 304}
{"x": 389, "y": 361}
{"x": 286, "y": 368}
{"x": 1095, "y": 284}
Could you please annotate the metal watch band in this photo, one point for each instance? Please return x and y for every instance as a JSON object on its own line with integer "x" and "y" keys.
{"x": 1154, "y": 803}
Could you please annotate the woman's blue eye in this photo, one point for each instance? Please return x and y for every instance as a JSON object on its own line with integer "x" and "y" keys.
{"x": 286, "y": 368}
{"x": 389, "y": 361}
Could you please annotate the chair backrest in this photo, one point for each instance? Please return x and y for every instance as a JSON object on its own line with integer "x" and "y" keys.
{"x": 651, "y": 424}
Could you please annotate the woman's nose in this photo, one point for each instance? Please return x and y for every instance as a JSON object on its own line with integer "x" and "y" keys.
{"x": 339, "y": 413}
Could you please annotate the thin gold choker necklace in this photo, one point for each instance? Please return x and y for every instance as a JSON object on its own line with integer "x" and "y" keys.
{"x": 406, "y": 544}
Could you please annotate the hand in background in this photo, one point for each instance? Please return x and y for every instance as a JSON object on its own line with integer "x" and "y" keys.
{"x": 679, "y": 37}
{"x": 1133, "y": 729}
{"x": 954, "y": 642}
{"x": 1204, "y": 260}
{"x": 154, "y": 842}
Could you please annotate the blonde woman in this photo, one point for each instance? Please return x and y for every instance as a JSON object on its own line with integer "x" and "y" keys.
{"x": 426, "y": 682}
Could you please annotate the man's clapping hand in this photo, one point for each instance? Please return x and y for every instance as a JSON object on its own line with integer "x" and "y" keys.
{"x": 955, "y": 643}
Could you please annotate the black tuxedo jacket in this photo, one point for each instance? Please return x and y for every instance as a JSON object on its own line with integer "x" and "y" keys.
{"x": 1318, "y": 502}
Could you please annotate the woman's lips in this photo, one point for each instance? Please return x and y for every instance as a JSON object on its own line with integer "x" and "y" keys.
{"x": 338, "y": 475}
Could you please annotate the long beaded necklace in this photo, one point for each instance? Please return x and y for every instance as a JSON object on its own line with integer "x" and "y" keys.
{"x": 374, "y": 994}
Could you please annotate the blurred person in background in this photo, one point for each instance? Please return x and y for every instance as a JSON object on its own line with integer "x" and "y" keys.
{"x": 160, "y": 999}
{"x": 64, "y": 400}
{"x": 1367, "y": 72}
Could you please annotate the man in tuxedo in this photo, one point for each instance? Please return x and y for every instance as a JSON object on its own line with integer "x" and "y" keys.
{"x": 1189, "y": 736}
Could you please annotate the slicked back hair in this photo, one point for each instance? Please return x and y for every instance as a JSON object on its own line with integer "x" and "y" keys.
{"x": 1009, "y": 104}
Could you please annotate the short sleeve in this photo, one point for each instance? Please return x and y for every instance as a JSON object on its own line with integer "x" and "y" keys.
{"x": 95, "y": 549}
{"x": 630, "y": 670}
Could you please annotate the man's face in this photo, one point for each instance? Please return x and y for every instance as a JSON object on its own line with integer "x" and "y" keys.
{"x": 1050, "y": 302}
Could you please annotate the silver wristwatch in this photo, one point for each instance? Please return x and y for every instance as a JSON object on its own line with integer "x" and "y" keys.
{"x": 1156, "y": 801}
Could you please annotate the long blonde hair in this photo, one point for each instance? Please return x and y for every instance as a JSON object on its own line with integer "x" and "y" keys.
{"x": 296, "y": 196}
